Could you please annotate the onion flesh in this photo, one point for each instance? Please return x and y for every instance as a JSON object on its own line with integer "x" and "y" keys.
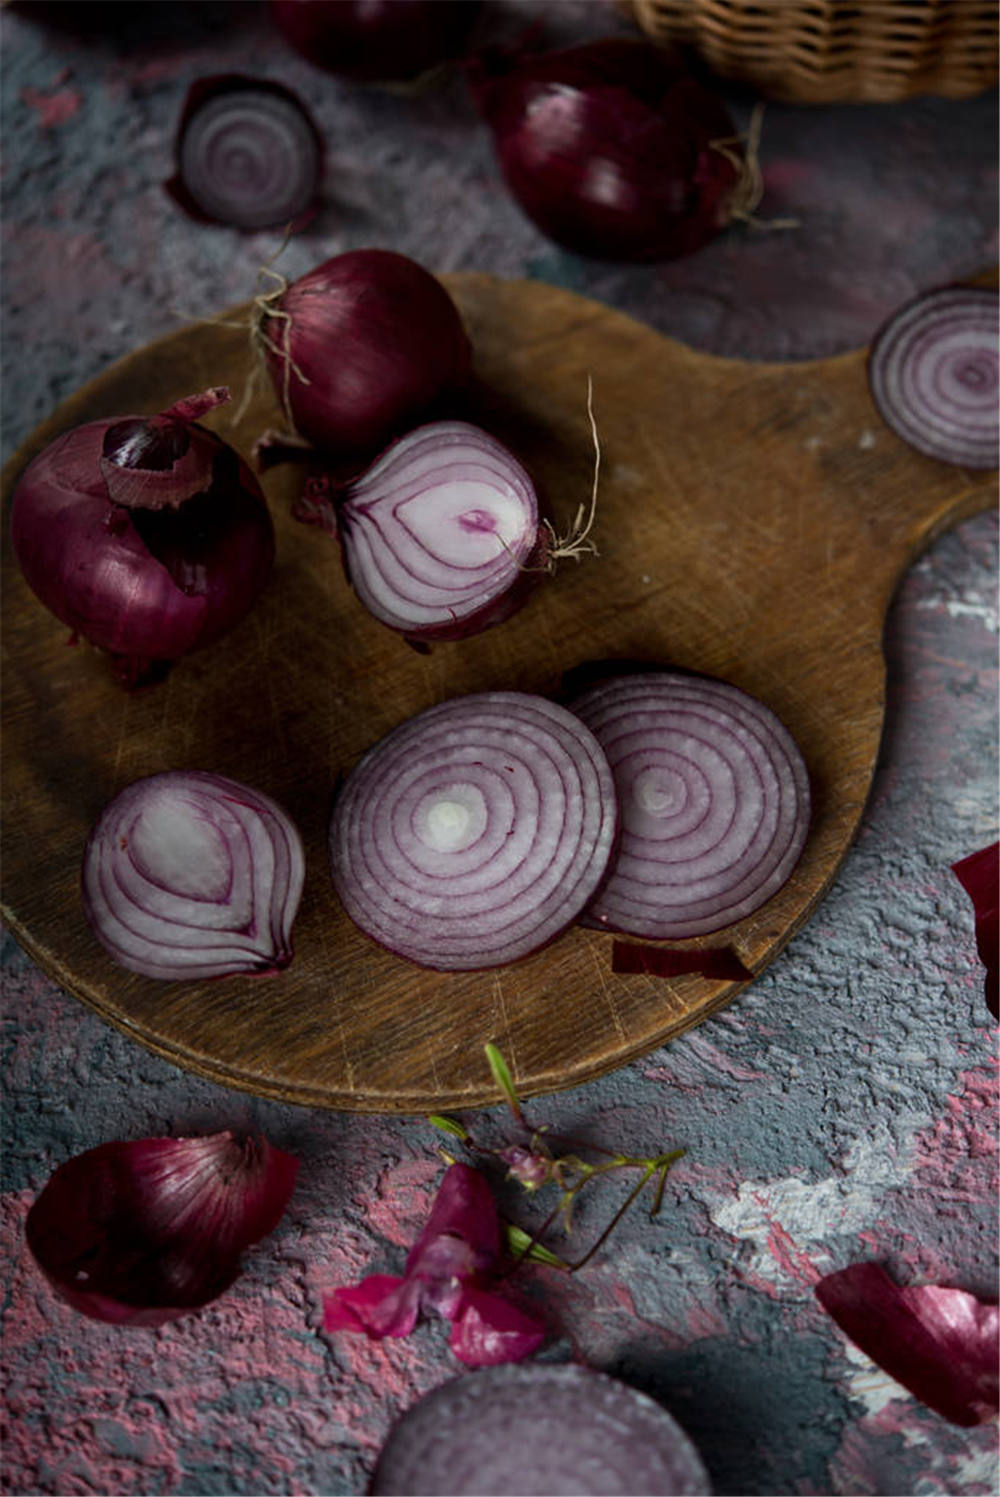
{"x": 190, "y": 875}
{"x": 440, "y": 537}
{"x": 934, "y": 374}
{"x": 714, "y": 802}
{"x": 376, "y": 41}
{"x": 611, "y": 149}
{"x": 475, "y": 832}
{"x": 248, "y": 154}
{"x": 362, "y": 348}
{"x": 538, "y": 1428}
{"x": 147, "y": 535}
{"x": 139, "y": 1233}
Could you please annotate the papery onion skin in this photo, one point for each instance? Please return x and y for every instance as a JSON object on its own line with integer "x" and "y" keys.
{"x": 140, "y": 575}
{"x": 376, "y": 41}
{"x": 440, "y": 537}
{"x": 934, "y": 374}
{"x": 474, "y": 833}
{"x": 190, "y": 875}
{"x": 714, "y": 798}
{"x": 538, "y": 1428}
{"x": 611, "y": 149}
{"x": 248, "y": 154}
{"x": 368, "y": 344}
{"x": 140, "y": 1233}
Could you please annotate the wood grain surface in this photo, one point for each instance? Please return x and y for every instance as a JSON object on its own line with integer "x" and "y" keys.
{"x": 753, "y": 522}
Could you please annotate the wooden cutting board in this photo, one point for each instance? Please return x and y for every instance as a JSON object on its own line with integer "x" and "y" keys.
{"x": 753, "y": 522}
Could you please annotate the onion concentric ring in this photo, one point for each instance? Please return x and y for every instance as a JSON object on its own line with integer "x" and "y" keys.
{"x": 190, "y": 875}
{"x": 934, "y": 373}
{"x": 475, "y": 832}
{"x": 713, "y": 797}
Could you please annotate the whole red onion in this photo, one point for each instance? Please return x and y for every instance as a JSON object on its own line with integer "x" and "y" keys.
{"x": 361, "y": 348}
{"x": 148, "y": 535}
{"x": 376, "y": 40}
{"x": 612, "y": 149}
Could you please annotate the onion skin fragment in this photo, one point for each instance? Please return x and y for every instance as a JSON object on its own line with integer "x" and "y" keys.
{"x": 979, "y": 875}
{"x": 934, "y": 375}
{"x": 538, "y": 1428}
{"x": 189, "y": 875}
{"x": 720, "y": 963}
{"x": 474, "y": 833}
{"x": 714, "y": 799}
{"x": 140, "y": 1233}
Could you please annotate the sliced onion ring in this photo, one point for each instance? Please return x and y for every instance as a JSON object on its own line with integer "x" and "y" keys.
{"x": 440, "y": 537}
{"x": 190, "y": 875}
{"x": 475, "y": 832}
{"x": 714, "y": 803}
{"x": 934, "y": 373}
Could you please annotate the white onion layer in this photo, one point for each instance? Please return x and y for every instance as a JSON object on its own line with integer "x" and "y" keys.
{"x": 713, "y": 797}
{"x": 934, "y": 372}
{"x": 190, "y": 875}
{"x": 475, "y": 832}
{"x": 439, "y": 529}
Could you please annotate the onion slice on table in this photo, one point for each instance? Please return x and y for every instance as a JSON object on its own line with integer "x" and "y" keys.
{"x": 538, "y": 1428}
{"x": 190, "y": 875}
{"x": 934, "y": 374}
{"x": 440, "y": 537}
{"x": 248, "y": 154}
{"x": 714, "y": 802}
{"x": 475, "y": 832}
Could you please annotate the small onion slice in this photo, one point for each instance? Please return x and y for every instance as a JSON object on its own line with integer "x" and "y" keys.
{"x": 475, "y": 832}
{"x": 714, "y": 802}
{"x": 248, "y": 154}
{"x": 538, "y": 1428}
{"x": 934, "y": 373}
{"x": 190, "y": 875}
{"x": 440, "y": 537}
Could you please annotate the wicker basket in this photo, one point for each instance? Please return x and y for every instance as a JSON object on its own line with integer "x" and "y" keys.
{"x": 819, "y": 51}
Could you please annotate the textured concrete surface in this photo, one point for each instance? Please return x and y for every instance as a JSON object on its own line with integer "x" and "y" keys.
{"x": 843, "y": 1108}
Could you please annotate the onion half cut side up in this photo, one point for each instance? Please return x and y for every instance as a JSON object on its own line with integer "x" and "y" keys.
{"x": 714, "y": 803}
{"x": 934, "y": 374}
{"x": 538, "y": 1428}
{"x": 189, "y": 875}
{"x": 474, "y": 833}
{"x": 440, "y": 538}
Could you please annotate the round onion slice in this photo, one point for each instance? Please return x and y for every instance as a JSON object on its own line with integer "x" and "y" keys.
{"x": 541, "y": 1429}
{"x": 475, "y": 832}
{"x": 190, "y": 875}
{"x": 248, "y": 153}
{"x": 714, "y": 802}
{"x": 440, "y": 537}
{"x": 934, "y": 372}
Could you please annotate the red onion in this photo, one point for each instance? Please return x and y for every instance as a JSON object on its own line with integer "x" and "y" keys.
{"x": 190, "y": 875}
{"x": 475, "y": 832}
{"x": 714, "y": 801}
{"x": 979, "y": 875}
{"x": 376, "y": 41}
{"x": 141, "y": 1233}
{"x": 247, "y": 152}
{"x": 612, "y": 150}
{"x": 934, "y": 372}
{"x": 440, "y": 538}
{"x": 361, "y": 348}
{"x": 941, "y": 1344}
{"x": 147, "y": 535}
{"x": 538, "y": 1428}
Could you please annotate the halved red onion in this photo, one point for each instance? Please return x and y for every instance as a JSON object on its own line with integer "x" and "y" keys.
{"x": 475, "y": 832}
{"x": 538, "y": 1428}
{"x": 190, "y": 875}
{"x": 440, "y": 537}
{"x": 714, "y": 803}
{"x": 248, "y": 153}
{"x": 934, "y": 372}
{"x": 140, "y": 1232}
